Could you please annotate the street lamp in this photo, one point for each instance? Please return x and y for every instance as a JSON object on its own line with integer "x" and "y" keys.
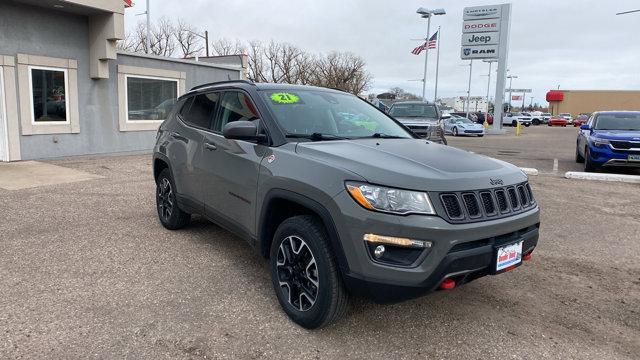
{"x": 490, "y": 61}
{"x": 426, "y": 14}
{"x": 205, "y": 37}
{"x": 510, "y": 77}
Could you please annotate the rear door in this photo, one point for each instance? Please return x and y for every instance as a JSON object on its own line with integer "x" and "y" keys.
{"x": 232, "y": 166}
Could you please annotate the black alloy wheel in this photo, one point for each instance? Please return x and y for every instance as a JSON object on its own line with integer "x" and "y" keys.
{"x": 298, "y": 273}
{"x": 170, "y": 215}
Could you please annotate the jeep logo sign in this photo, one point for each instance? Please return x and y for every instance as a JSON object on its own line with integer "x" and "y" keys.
{"x": 489, "y": 38}
{"x": 470, "y": 26}
{"x": 479, "y": 52}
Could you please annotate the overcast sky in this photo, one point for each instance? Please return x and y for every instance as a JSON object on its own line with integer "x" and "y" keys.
{"x": 577, "y": 44}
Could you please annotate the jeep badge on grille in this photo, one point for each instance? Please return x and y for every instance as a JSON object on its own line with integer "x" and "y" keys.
{"x": 496, "y": 181}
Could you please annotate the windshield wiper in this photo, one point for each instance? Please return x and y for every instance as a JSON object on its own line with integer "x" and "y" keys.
{"x": 316, "y": 136}
{"x": 383, "y": 136}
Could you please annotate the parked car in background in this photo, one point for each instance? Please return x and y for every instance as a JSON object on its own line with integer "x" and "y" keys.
{"x": 545, "y": 117}
{"x": 557, "y": 120}
{"x": 580, "y": 120}
{"x": 472, "y": 115}
{"x": 513, "y": 118}
{"x": 423, "y": 118}
{"x": 535, "y": 119}
{"x": 567, "y": 116}
{"x": 458, "y": 125}
{"x": 609, "y": 138}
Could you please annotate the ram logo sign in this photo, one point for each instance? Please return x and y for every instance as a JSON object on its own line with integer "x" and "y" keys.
{"x": 480, "y": 52}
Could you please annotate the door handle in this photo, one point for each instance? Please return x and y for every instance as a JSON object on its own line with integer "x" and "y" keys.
{"x": 210, "y": 146}
{"x": 175, "y": 134}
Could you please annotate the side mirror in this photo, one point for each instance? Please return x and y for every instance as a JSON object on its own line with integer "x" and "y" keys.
{"x": 242, "y": 130}
{"x": 585, "y": 127}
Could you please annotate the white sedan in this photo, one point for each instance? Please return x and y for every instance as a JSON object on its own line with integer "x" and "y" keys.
{"x": 458, "y": 125}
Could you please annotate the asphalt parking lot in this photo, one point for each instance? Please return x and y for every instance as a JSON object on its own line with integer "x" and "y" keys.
{"x": 86, "y": 270}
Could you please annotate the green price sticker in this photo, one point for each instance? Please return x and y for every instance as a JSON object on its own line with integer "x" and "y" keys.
{"x": 284, "y": 98}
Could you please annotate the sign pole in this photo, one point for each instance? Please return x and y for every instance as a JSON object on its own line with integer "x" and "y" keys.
{"x": 426, "y": 57}
{"x": 505, "y": 26}
{"x": 469, "y": 87}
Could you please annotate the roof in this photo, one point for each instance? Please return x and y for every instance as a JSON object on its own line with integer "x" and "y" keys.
{"x": 262, "y": 86}
{"x": 414, "y": 102}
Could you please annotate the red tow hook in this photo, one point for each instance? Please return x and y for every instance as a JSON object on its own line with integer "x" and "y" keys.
{"x": 527, "y": 257}
{"x": 447, "y": 284}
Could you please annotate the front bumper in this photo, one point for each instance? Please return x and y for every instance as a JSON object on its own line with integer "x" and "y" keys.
{"x": 463, "y": 252}
{"x": 610, "y": 157}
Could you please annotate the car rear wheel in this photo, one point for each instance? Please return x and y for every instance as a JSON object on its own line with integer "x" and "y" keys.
{"x": 589, "y": 166}
{"x": 170, "y": 215}
{"x": 481, "y": 135}
{"x": 536, "y": 122}
{"x": 305, "y": 275}
{"x": 454, "y": 131}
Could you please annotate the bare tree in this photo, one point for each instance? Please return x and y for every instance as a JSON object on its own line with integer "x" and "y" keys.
{"x": 162, "y": 39}
{"x": 189, "y": 43}
{"x": 224, "y": 46}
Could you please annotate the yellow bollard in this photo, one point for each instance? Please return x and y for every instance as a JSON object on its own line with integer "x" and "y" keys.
{"x": 518, "y": 128}
{"x": 485, "y": 124}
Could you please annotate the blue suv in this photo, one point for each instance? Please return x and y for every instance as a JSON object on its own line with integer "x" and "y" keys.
{"x": 609, "y": 138}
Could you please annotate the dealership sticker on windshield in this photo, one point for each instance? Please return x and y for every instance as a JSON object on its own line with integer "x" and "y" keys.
{"x": 285, "y": 98}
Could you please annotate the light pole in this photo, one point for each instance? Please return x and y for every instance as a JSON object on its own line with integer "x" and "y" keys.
{"x": 469, "y": 87}
{"x": 147, "y": 41}
{"x": 510, "y": 77}
{"x": 486, "y": 115}
{"x": 205, "y": 37}
{"x": 426, "y": 14}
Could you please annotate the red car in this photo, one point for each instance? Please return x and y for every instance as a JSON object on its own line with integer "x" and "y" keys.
{"x": 580, "y": 120}
{"x": 557, "y": 120}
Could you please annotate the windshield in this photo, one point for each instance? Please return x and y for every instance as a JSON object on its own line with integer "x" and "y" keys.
{"x": 414, "y": 110}
{"x": 618, "y": 122}
{"x": 335, "y": 115}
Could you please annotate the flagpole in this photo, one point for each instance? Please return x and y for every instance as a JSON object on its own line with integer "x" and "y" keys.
{"x": 426, "y": 58}
{"x": 435, "y": 93}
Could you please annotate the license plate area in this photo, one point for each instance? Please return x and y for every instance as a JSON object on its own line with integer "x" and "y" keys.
{"x": 507, "y": 256}
{"x": 633, "y": 157}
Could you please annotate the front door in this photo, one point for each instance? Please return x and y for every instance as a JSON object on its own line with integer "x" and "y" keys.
{"x": 232, "y": 166}
{"x": 4, "y": 151}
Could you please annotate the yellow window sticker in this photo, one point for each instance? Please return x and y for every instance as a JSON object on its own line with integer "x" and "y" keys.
{"x": 285, "y": 98}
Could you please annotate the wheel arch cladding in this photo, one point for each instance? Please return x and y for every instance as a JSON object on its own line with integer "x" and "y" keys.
{"x": 281, "y": 204}
{"x": 159, "y": 164}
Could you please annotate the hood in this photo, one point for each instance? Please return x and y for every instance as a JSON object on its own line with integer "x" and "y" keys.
{"x": 413, "y": 164}
{"x": 629, "y": 135}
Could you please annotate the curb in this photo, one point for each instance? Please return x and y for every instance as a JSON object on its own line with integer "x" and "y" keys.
{"x": 633, "y": 179}
{"x": 530, "y": 171}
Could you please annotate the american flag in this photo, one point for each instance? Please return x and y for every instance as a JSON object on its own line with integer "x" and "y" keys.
{"x": 432, "y": 42}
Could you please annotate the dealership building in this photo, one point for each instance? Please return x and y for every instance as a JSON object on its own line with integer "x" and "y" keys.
{"x": 65, "y": 90}
{"x": 588, "y": 101}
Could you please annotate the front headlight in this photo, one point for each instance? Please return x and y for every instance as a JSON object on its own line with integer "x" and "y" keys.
{"x": 600, "y": 142}
{"x": 397, "y": 201}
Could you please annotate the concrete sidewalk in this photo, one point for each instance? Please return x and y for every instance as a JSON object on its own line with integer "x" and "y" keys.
{"x": 31, "y": 174}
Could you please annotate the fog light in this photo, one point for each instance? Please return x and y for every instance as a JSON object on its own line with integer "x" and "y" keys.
{"x": 379, "y": 251}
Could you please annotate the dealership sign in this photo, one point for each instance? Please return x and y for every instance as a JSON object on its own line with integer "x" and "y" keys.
{"x": 485, "y": 25}
{"x": 482, "y": 12}
{"x": 518, "y": 90}
{"x": 489, "y": 38}
{"x": 479, "y": 52}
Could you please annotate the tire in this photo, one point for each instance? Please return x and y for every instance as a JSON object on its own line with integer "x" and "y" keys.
{"x": 170, "y": 215}
{"x": 527, "y": 125}
{"x": 514, "y": 123}
{"x": 290, "y": 270}
{"x": 535, "y": 122}
{"x": 588, "y": 164}
{"x": 549, "y": 125}
{"x": 454, "y": 131}
{"x": 579, "y": 158}
{"x": 564, "y": 125}
{"x": 481, "y": 135}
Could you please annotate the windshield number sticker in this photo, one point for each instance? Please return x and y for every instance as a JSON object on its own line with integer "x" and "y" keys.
{"x": 285, "y": 98}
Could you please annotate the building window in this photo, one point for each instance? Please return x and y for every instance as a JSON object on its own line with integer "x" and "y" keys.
{"x": 48, "y": 95}
{"x": 150, "y": 98}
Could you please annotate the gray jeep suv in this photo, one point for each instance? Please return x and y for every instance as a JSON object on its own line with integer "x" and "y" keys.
{"x": 341, "y": 198}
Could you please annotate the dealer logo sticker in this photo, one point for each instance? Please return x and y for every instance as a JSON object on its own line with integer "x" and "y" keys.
{"x": 271, "y": 158}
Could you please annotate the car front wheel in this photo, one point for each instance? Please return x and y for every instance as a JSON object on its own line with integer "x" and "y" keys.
{"x": 454, "y": 131}
{"x": 579, "y": 158}
{"x": 305, "y": 275}
{"x": 589, "y": 166}
{"x": 170, "y": 215}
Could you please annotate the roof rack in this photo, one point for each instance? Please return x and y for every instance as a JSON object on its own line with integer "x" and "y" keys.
{"x": 221, "y": 82}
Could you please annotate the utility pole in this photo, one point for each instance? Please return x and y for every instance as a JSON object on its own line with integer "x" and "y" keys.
{"x": 148, "y": 29}
{"x": 469, "y": 87}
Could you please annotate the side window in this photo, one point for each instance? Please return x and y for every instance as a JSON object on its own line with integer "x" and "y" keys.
{"x": 202, "y": 109}
{"x": 184, "y": 106}
{"x": 235, "y": 105}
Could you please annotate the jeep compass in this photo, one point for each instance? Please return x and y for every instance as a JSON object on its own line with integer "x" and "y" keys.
{"x": 342, "y": 199}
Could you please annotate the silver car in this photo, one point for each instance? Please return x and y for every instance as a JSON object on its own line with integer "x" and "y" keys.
{"x": 458, "y": 125}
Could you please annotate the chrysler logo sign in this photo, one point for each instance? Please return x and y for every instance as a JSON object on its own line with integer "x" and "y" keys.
{"x": 482, "y": 12}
